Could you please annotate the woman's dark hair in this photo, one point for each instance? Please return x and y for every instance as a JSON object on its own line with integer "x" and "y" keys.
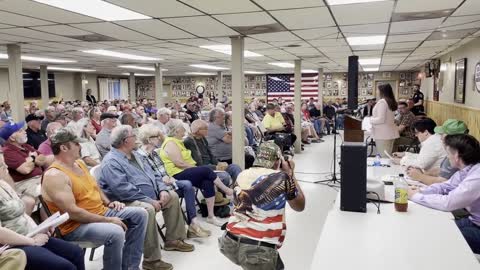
{"x": 425, "y": 124}
{"x": 386, "y": 93}
{"x": 467, "y": 147}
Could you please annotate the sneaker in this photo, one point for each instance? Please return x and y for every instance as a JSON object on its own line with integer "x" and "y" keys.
{"x": 194, "y": 231}
{"x": 156, "y": 265}
{"x": 179, "y": 245}
{"x": 215, "y": 221}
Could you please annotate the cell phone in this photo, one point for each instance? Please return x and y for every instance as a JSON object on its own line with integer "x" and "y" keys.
{"x": 388, "y": 183}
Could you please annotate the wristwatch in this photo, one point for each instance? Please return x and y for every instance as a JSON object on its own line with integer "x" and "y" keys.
{"x": 33, "y": 158}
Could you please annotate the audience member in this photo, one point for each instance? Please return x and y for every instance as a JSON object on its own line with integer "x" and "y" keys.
{"x": 94, "y": 116}
{"x": 91, "y": 98}
{"x": 50, "y": 115}
{"x": 163, "y": 116}
{"x": 417, "y": 98}
{"x": 384, "y": 131}
{"x": 192, "y": 112}
{"x": 6, "y": 112}
{"x": 35, "y": 136}
{"x": 89, "y": 153}
{"x": 69, "y": 187}
{"x": 368, "y": 109}
{"x": 103, "y": 142}
{"x": 405, "y": 126}
{"x": 77, "y": 114}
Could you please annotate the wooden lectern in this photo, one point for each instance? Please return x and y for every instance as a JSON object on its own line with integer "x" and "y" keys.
{"x": 353, "y": 129}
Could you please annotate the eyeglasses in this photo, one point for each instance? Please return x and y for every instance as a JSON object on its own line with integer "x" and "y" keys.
{"x": 157, "y": 137}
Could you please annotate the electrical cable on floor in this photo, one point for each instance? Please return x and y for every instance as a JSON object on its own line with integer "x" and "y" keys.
{"x": 376, "y": 203}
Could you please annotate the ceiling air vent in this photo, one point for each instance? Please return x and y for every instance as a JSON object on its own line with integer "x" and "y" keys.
{"x": 259, "y": 29}
{"x": 411, "y": 16}
{"x": 94, "y": 38}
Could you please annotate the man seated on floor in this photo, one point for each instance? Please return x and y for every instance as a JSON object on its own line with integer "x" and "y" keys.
{"x": 257, "y": 227}
{"x": 125, "y": 177}
{"x": 445, "y": 171}
{"x": 23, "y": 161}
{"x": 35, "y": 136}
{"x": 405, "y": 125}
{"x": 102, "y": 140}
{"x": 432, "y": 151}
{"x": 461, "y": 190}
{"x": 69, "y": 187}
{"x": 197, "y": 143}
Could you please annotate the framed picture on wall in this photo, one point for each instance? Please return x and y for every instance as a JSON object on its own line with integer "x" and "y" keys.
{"x": 460, "y": 77}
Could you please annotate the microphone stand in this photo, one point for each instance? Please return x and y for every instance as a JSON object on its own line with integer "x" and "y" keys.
{"x": 333, "y": 179}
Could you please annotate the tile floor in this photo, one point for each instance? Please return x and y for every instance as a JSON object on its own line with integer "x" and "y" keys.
{"x": 303, "y": 229}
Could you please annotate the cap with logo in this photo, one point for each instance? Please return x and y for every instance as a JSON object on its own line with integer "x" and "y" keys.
{"x": 64, "y": 135}
{"x": 268, "y": 153}
{"x": 9, "y": 128}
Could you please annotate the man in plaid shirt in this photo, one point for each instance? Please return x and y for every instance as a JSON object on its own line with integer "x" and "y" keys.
{"x": 404, "y": 123}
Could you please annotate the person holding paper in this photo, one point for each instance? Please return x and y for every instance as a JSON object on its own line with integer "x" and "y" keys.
{"x": 42, "y": 252}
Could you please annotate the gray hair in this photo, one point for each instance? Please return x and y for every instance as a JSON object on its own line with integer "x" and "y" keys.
{"x": 119, "y": 134}
{"x": 76, "y": 111}
{"x": 147, "y": 131}
{"x": 163, "y": 111}
{"x": 173, "y": 127}
{"x": 197, "y": 124}
{"x": 213, "y": 113}
{"x": 52, "y": 128}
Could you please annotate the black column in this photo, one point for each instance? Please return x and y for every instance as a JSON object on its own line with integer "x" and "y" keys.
{"x": 352, "y": 82}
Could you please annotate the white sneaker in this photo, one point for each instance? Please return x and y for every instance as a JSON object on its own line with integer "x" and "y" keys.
{"x": 215, "y": 221}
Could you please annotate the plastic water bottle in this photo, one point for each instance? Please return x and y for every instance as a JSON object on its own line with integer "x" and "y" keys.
{"x": 401, "y": 194}
{"x": 377, "y": 162}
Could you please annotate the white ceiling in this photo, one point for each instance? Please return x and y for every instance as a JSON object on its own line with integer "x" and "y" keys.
{"x": 177, "y": 28}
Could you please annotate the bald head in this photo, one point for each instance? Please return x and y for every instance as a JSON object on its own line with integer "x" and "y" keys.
{"x": 52, "y": 127}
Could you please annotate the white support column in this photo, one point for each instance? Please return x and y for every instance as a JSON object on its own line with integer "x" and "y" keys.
{"x": 220, "y": 86}
{"x": 298, "y": 101}
{"x": 238, "y": 128}
{"x": 320, "y": 88}
{"x": 158, "y": 86}
{"x": 44, "y": 86}
{"x": 131, "y": 87}
{"x": 15, "y": 79}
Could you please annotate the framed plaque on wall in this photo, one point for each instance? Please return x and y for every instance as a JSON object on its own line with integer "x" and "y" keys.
{"x": 460, "y": 77}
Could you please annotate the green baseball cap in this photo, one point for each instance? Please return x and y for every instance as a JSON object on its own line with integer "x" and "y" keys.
{"x": 268, "y": 154}
{"x": 451, "y": 126}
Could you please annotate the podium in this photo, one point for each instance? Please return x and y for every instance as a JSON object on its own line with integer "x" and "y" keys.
{"x": 353, "y": 129}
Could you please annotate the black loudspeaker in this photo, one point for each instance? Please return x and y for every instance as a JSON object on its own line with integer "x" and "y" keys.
{"x": 353, "y": 191}
{"x": 352, "y": 82}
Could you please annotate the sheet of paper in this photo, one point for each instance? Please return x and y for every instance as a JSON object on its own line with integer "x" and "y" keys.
{"x": 52, "y": 222}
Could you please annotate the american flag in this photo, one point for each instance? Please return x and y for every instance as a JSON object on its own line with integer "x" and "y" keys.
{"x": 283, "y": 85}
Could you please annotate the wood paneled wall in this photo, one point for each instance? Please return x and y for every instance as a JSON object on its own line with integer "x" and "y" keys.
{"x": 440, "y": 112}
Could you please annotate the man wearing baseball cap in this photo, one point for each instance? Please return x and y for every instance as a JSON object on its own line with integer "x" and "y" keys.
{"x": 257, "y": 227}
{"x": 35, "y": 135}
{"x": 445, "y": 171}
{"x": 103, "y": 142}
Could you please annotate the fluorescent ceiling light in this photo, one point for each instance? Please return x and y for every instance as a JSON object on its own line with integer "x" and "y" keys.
{"x": 200, "y": 73}
{"x": 97, "y": 9}
{"x": 369, "y": 61}
{"x": 122, "y": 55}
{"x": 140, "y": 68}
{"x": 140, "y": 74}
{"x": 71, "y": 69}
{"x": 253, "y": 72}
{"x": 366, "y": 40}
{"x": 309, "y": 71}
{"x": 344, "y": 2}
{"x": 227, "y": 49}
{"x": 370, "y": 69}
{"x": 208, "y": 67}
{"x": 282, "y": 64}
{"x": 39, "y": 59}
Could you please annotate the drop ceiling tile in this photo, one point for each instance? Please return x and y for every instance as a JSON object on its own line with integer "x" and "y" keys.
{"x": 284, "y": 57}
{"x": 221, "y": 7}
{"x": 368, "y": 47}
{"x": 407, "y": 37}
{"x": 19, "y": 20}
{"x": 365, "y": 29}
{"x": 156, "y": 29}
{"x": 12, "y": 38}
{"x": 392, "y": 61}
{"x": 86, "y": 44}
{"x": 258, "y": 46}
{"x": 245, "y": 19}
{"x": 157, "y": 9}
{"x": 304, "y": 18}
{"x": 425, "y": 5}
{"x": 44, "y": 12}
{"x": 415, "y": 26}
{"x": 271, "y": 52}
{"x": 470, "y": 7}
{"x": 402, "y": 45}
{"x": 275, "y": 4}
{"x": 277, "y": 36}
{"x": 365, "y": 13}
{"x": 202, "y": 26}
{"x": 63, "y": 30}
{"x": 114, "y": 31}
{"x": 25, "y": 32}
{"x": 301, "y": 50}
{"x": 370, "y": 54}
{"x": 316, "y": 33}
{"x": 345, "y": 49}
{"x": 120, "y": 44}
{"x": 333, "y": 42}
{"x": 441, "y": 42}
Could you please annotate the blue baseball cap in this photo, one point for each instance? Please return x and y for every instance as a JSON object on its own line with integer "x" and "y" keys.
{"x": 9, "y": 128}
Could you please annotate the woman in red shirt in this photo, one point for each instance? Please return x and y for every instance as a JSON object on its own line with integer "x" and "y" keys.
{"x": 94, "y": 115}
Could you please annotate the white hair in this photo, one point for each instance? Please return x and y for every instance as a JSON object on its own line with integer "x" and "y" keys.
{"x": 119, "y": 134}
{"x": 147, "y": 131}
{"x": 163, "y": 111}
{"x": 173, "y": 127}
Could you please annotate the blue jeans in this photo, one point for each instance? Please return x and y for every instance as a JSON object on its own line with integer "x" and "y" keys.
{"x": 250, "y": 136}
{"x": 185, "y": 190}
{"x": 56, "y": 254}
{"x": 201, "y": 177}
{"x": 317, "y": 124}
{"x": 122, "y": 250}
{"x": 470, "y": 232}
{"x": 230, "y": 174}
{"x": 339, "y": 121}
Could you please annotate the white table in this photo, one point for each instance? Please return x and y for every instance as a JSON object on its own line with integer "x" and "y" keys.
{"x": 421, "y": 238}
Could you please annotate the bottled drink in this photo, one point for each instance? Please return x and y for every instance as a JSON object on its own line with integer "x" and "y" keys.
{"x": 401, "y": 194}
{"x": 377, "y": 161}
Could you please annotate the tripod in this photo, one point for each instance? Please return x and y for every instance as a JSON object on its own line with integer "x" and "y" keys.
{"x": 333, "y": 177}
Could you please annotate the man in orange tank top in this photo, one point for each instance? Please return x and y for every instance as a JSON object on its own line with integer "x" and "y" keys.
{"x": 68, "y": 187}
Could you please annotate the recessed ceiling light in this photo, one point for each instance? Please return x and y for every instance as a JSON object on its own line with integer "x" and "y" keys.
{"x": 370, "y": 69}
{"x": 369, "y": 61}
{"x": 122, "y": 55}
{"x": 208, "y": 67}
{"x": 200, "y": 73}
{"x": 282, "y": 64}
{"x": 140, "y": 67}
{"x": 97, "y": 9}
{"x": 253, "y": 72}
{"x": 140, "y": 74}
{"x": 309, "y": 71}
{"x": 227, "y": 49}
{"x": 70, "y": 69}
{"x": 39, "y": 59}
{"x": 366, "y": 40}
{"x": 344, "y": 2}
